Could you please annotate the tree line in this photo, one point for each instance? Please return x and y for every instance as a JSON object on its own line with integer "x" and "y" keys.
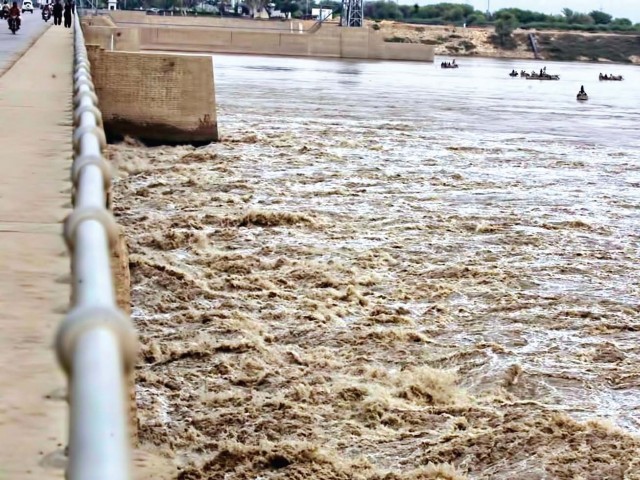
{"x": 505, "y": 19}
{"x": 297, "y": 8}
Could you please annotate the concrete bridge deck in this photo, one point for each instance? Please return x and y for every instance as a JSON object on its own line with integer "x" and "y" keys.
{"x": 35, "y": 156}
{"x": 35, "y": 192}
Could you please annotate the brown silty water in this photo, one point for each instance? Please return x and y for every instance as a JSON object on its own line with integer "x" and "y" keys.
{"x": 386, "y": 284}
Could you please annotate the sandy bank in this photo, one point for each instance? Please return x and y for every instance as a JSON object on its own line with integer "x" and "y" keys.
{"x": 453, "y": 41}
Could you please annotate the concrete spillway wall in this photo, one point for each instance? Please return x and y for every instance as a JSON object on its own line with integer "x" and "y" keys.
{"x": 157, "y": 98}
{"x": 332, "y": 43}
{"x": 135, "y": 31}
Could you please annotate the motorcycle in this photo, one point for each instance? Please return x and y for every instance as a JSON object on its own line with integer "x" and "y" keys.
{"x": 46, "y": 15}
{"x": 13, "y": 24}
{"x": 4, "y": 13}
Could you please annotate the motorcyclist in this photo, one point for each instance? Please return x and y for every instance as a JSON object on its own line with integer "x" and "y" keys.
{"x": 5, "y": 9}
{"x": 46, "y": 10}
{"x": 14, "y": 11}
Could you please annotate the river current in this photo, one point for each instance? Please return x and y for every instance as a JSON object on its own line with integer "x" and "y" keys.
{"x": 393, "y": 271}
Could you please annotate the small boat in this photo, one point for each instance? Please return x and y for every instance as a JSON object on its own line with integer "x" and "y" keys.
{"x": 611, "y": 78}
{"x": 582, "y": 96}
{"x": 513, "y": 74}
{"x": 455, "y": 65}
{"x": 543, "y": 77}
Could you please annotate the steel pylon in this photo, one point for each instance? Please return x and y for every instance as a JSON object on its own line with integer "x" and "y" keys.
{"x": 352, "y": 13}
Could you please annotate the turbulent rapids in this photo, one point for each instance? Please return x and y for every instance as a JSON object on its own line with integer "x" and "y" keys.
{"x": 331, "y": 293}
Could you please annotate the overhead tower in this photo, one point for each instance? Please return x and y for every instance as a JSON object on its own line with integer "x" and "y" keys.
{"x": 352, "y": 13}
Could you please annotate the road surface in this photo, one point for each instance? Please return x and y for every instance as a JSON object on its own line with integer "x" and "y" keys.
{"x": 12, "y": 46}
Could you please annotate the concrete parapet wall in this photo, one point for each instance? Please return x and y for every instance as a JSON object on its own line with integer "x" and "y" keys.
{"x": 328, "y": 41}
{"x": 97, "y": 34}
{"x": 157, "y": 98}
{"x": 337, "y": 43}
{"x": 125, "y": 39}
{"x": 382, "y": 50}
{"x": 400, "y": 51}
{"x": 354, "y": 43}
{"x": 98, "y": 20}
{"x": 138, "y": 31}
{"x": 123, "y": 17}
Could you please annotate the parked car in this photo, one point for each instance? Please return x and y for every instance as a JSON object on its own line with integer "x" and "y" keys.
{"x": 27, "y": 6}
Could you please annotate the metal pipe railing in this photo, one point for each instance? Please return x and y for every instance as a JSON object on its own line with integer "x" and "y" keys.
{"x": 95, "y": 343}
{"x": 99, "y": 448}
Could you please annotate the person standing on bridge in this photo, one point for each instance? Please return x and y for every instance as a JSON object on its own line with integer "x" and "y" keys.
{"x": 57, "y": 13}
{"x": 67, "y": 14}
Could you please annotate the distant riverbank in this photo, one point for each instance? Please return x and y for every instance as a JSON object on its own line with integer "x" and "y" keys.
{"x": 554, "y": 45}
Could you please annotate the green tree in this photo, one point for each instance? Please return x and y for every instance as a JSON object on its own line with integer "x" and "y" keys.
{"x": 505, "y": 26}
{"x": 382, "y": 10}
{"x": 622, "y": 22}
{"x": 600, "y": 18}
{"x": 476, "y": 18}
{"x": 467, "y": 9}
{"x": 524, "y": 16}
{"x": 428, "y": 11}
{"x": 568, "y": 15}
{"x": 556, "y": 19}
{"x": 583, "y": 19}
{"x": 455, "y": 14}
{"x": 406, "y": 11}
{"x": 577, "y": 17}
{"x": 335, "y": 6}
{"x": 289, "y": 7}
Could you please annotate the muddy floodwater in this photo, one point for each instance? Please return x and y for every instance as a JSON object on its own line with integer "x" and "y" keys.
{"x": 391, "y": 271}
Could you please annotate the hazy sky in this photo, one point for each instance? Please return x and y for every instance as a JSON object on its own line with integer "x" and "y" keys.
{"x": 618, "y": 8}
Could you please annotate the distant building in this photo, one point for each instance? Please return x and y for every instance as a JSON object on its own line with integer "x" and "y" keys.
{"x": 322, "y": 13}
{"x": 206, "y": 7}
{"x": 276, "y": 14}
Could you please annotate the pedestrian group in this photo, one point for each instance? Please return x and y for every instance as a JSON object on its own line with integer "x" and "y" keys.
{"x": 59, "y": 11}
